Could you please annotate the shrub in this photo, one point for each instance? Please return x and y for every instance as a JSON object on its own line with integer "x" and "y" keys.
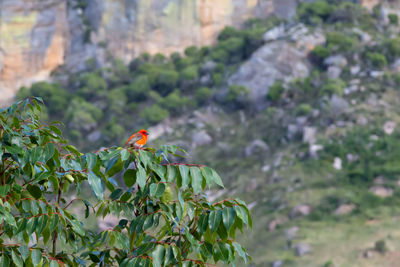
{"x": 392, "y": 49}
{"x": 380, "y": 246}
{"x": 82, "y": 115}
{"x": 192, "y": 51}
{"x": 53, "y": 94}
{"x": 203, "y": 94}
{"x": 120, "y": 72}
{"x": 174, "y": 102}
{"x": 341, "y": 42}
{"x": 219, "y": 55}
{"x": 237, "y": 95}
{"x": 92, "y": 84}
{"x": 275, "y": 91}
{"x": 43, "y": 228}
{"x": 393, "y": 19}
{"x": 333, "y": 87}
{"x": 319, "y": 53}
{"x": 189, "y": 73}
{"x": 154, "y": 114}
{"x": 117, "y": 101}
{"x": 139, "y": 89}
{"x": 314, "y": 13}
{"x": 377, "y": 59}
{"x": 159, "y": 59}
{"x": 303, "y": 110}
{"x": 227, "y": 33}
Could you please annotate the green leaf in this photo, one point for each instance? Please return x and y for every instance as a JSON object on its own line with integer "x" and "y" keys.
{"x": 34, "y": 190}
{"x": 17, "y": 259}
{"x": 116, "y": 194}
{"x": 228, "y": 217}
{"x": 55, "y": 130}
{"x": 171, "y": 173}
{"x": 203, "y": 222}
{"x": 53, "y": 222}
{"x": 214, "y": 219}
{"x": 242, "y": 214}
{"x": 24, "y": 250}
{"x": 49, "y": 149}
{"x": 130, "y": 177}
{"x": 91, "y": 160}
{"x": 211, "y": 176}
{"x": 222, "y": 251}
{"x": 240, "y": 251}
{"x": 158, "y": 256}
{"x": 145, "y": 157}
{"x": 125, "y": 154}
{"x": 96, "y": 184}
{"x": 196, "y": 179}
{"x": 10, "y": 219}
{"x": 73, "y": 150}
{"x": 36, "y": 257}
{"x": 54, "y": 264}
{"x": 77, "y": 227}
{"x": 141, "y": 176}
{"x": 4, "y": 190}
{"x": 184, "y": 171}
{"x": 4, "y": 261}
{"x": 114, "y": 166}
{"x": 157, "y": 190}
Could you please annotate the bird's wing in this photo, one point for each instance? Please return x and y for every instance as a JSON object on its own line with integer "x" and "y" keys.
{"x": 134, "y": 138}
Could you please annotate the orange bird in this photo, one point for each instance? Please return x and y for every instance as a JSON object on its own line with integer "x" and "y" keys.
{"x": 137, "y": 140}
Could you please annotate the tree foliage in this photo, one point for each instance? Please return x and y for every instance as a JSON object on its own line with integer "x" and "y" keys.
{"x": 165, "y": 218}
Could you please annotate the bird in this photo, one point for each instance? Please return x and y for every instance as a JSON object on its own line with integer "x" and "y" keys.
{"x": 137, "y": 140}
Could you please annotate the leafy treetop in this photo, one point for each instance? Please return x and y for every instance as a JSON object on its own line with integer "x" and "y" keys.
{"x": 165, "y": 218}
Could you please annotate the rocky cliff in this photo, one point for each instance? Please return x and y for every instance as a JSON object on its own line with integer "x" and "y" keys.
{"x": 37, "y": 36}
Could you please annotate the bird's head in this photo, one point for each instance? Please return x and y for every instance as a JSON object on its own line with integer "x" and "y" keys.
{"x": 144, "y": 132}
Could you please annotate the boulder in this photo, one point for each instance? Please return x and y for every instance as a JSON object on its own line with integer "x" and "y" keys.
{"x": 274, "y": 33}
{"x": 201, "y": 138}
{"x": 337, "y": 163}
{"x": 209, "y": 66}
{"x": 277, "y": 263}
{"x": 338, "y": 105}
{"x": 354, "y": 70}
{"x": 302, "y": 249}
{"x": 272, "y": 225}
{"x": 334, "y": 72}
{"x": 291, "y": 233}
{"x": 256, "y": 146}
{"x": 301, "y": 210}
{"x": 381, "y": 191}
{"x": 389, "y": 127}
{"x": 309, "y": 135}
{"x": 292, "y": 131}
{"x": 337, "y": 60}
{"x": 277, "y": 60}
{"x": 313, "y": 150}
{"x": 344, "y": 209}
{"x": 94, "y": 136}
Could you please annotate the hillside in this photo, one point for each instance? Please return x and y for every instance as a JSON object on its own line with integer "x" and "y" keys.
{"x": 301, "y": 117}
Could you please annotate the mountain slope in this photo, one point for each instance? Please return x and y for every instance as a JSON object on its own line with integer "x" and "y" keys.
{"x": 300, "y": 117}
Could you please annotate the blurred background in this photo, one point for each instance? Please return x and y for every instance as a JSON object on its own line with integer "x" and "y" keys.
{"x": 295, "y": 103}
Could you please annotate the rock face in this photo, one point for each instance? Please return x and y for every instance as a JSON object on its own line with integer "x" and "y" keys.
{"x": 277, "y": 60}
{"x": 37, "y": 36}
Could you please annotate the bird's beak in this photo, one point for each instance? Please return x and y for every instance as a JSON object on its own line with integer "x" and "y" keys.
{"x": 147, "y": 133}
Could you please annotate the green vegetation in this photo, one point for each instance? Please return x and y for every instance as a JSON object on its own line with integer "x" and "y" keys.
{"x": 150, "y": 89}
{"x": 329, "y": 145}
{"x": 275, "y": 91}
{"x": 166, "y": 218}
